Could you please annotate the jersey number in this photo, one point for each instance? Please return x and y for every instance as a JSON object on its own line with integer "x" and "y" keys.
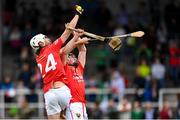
{"x": 50, "y": 64}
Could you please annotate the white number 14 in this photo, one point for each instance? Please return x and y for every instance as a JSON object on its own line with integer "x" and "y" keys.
{"x": 50, "y": 65}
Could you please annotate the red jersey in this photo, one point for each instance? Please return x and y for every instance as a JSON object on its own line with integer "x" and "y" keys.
{"x": 164, "y": 114}
{"x": 174, "y": 56}
{"x": 76, "y": 82}
{"x": 50, "y": 64}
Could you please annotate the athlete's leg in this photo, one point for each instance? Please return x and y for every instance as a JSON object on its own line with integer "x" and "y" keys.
{"x": 57, "y": 100}
{"x": 54, "y": 116}
{"x": 62, "y": 114}
{"x": 52, "y": 107}
{"x": 76, "y": 111}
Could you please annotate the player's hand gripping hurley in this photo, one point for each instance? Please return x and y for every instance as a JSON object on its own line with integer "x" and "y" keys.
{"x": 79, "y": 9}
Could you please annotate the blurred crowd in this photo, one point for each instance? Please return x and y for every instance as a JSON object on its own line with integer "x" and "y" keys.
{"x": 149, "y": 63}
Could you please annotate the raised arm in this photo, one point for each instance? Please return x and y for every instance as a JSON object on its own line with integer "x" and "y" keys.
{"x": 73, "y": 43}
{"x": 72, "y": 24}
{"x": 69, "y": 46}
{"x": 82, "y": 53}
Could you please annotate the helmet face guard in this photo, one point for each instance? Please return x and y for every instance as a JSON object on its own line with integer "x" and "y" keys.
{"x": 34, "y": 42}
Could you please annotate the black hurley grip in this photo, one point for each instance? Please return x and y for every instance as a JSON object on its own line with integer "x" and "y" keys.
{"x": 77, "y": 13}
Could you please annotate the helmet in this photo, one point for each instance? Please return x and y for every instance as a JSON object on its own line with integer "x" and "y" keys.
{"x": 34, "y": 42}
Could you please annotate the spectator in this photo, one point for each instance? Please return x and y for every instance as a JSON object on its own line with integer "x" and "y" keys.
{"x": 165, "y": 112}
{"x": 119, "y": 30}
{"x": 25, "y": 112}
{"x": 125, "y": 109}
{"x": 104, "y": 104}
{"x": 32, "y": 97}
{"x": 25, "y": 74}
{"x": 151, "y": 90}
{"x": 91, "y": 83}
{"x": 13, "y": 112}
{"x": 5, "y": 33}
{"x": 149, "y": 112}
{"x": 96, "y": 112}
{"x": 161, "y": 34}
{"x": 117, "y": 86}
{"x": 126, "y": 77}
{"x": 8, "y": 87}
{"x": 24, "y": 55}
{"x": 139, "y": 81}
{"x": 160, "y": 51}
{"x": 151, "y": 37}
{"x": 178, "y": 111}
{"x": 21, "y": 90}
{"x": 28, "y": 33}
{"x": 33, "y": 82}
{"x": 174, "y": 63}
{"x": 100, "y": 54}
{"x": 178, "y": 108}
{"x": 138, "y": 95}
{"x": 158, "y": 72}
{"x": 20, "y": 85}
{"x": 143, "y": 52}
{"x": 105, "y": 80}
{"x": 123, "y": 16}
{"x": 15, "y": 38}
{"x": 130, "y": 48}
{"x": 143, "y": 69}
{"x": 137, "y": 112}
{"x": 112, "y": 110}
{"x": 36, "y": 80}
{"x": 7, "y": 17}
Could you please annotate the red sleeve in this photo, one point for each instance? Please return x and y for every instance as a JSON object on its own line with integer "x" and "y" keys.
{"x": 58, "y": 44}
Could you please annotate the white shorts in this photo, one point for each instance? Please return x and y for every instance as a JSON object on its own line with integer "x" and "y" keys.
{"x": 76, "y": 111}
{"x": 57, "y": 99}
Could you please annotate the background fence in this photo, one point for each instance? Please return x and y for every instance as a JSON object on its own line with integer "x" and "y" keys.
{"x": 40, "y": 104}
